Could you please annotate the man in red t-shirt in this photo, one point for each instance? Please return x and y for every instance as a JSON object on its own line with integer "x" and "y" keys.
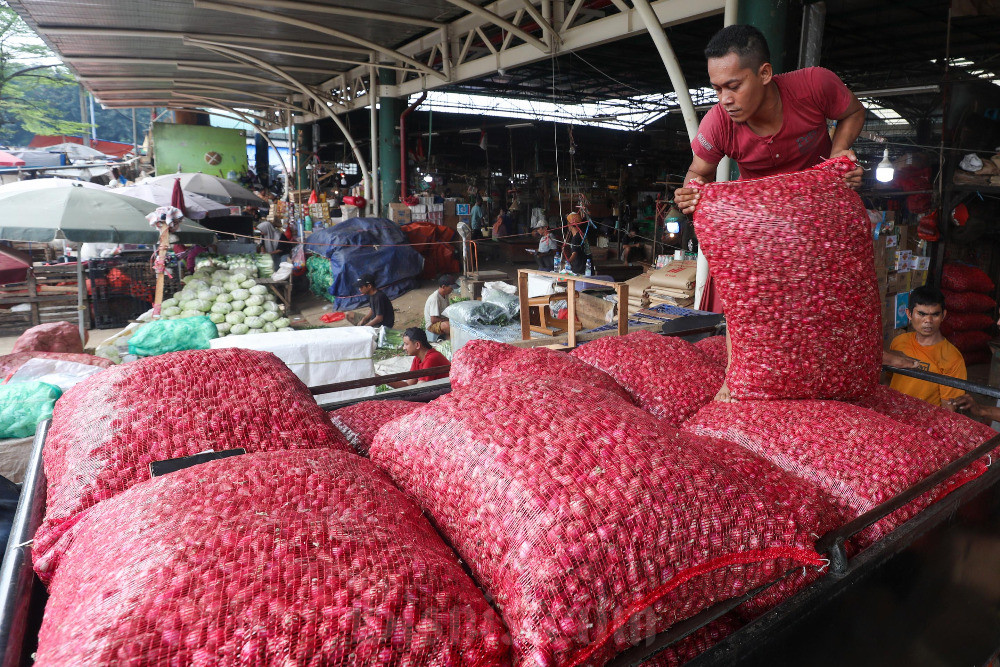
{"x": 770, "y": 124}
{"x": 424, "y": 356}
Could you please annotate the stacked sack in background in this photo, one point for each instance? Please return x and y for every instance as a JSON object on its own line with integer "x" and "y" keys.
{"x": 971, "y": 311}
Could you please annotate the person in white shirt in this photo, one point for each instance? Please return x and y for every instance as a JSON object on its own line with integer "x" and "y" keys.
{"x": 434, "y": 320}
{"x": 547, "y": 246}
{"x": 270, "y": 235}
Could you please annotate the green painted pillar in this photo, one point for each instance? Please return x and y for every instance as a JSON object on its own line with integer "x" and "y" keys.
{"x": 388, "y": 142}
{"x": 770, "y": 17}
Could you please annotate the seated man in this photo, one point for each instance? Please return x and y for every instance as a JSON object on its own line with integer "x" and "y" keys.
{"x": 926, "y": 345}
{"x": 380, "y": 312}
{"x": 424, "y": 356}
{"x": 434, "y": 307}
{"x": 547, "y": 247}
{"x": 632, "y": 249}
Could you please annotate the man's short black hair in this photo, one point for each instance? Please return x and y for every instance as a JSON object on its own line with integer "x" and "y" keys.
{"x": 745, "y": 41}
{"x": 417, "y": 335}
{"x": 926, "y": 296}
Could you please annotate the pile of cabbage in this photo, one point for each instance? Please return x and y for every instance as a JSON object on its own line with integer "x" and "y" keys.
{"x": 230, "y": 297}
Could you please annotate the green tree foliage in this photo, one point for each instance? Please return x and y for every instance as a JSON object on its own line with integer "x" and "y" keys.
{"x": 27, "y": 67}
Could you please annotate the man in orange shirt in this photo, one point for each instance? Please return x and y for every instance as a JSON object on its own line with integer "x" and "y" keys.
{"x": 926, "y": 344}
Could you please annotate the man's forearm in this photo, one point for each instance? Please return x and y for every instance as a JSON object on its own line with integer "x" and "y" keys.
{"x": 848, "y": 130}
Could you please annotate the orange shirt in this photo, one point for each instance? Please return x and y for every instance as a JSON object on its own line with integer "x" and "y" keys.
{"x": 943, "y": 358}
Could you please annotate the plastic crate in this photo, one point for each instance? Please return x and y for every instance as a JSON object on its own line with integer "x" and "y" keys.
{"x": 122, "y": 288}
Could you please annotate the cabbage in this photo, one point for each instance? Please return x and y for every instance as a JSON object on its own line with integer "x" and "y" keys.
{"x": 282, "y": 322}
{"x": 206, "y": 295}
{"x": 224, "y": 298}
{"x": 171, "y": 311}
{"x": 269, "y": 316}
{"x": 238, "y": 305}
{"x": 285, "y": 329}
{"x": 258, "y": 289}
{"x": 218, "y": 318}
{"x": 247, "y": 284}
{"x": 191, "y": 313}
{"x": 231, "y": 286}
{"x": 255, "y": 300}
{"x": 253, "y": 311}
{"x": 204, "y": 305}
{"x": 269, "y": 328}
{"x": 223, "y": 328}
{"x": 168, "y": 303}
{"x": 254, "y": 322}
{"x": 216, "y": 289}
{"x": 240, "y": 295}
{"x": 239, "y": 329}
{"x": 222, "y": 276}
{"x": 196, "y": 285}
{"x": 272, "y": 306}
{"x": 222, "y": 308}
{"x": 235, "y": 317}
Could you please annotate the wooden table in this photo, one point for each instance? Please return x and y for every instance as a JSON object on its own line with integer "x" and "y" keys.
{"x": 282, "y": 289}
{"x": 621, "y": 289}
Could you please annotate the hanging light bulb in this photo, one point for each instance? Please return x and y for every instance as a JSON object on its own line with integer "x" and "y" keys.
{"x": 884, "y": 171}
{"x": 428, "y": 179}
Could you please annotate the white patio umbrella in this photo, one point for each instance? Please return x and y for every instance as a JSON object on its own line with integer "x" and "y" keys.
{"x": 45, "y": 184}
{"x": 82, "y": 214}
{"x": 213, "y": 187}
{"x": 197, "y": 207}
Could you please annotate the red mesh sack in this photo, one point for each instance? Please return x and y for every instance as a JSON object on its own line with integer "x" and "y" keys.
{"x": 668, "y": 377}
{"x": 51, "y": 337}
{"x": 955, "y": 434}
{"x": 793, "y": 261}
{"x": 714, "y": 349}
{"x": 968, "y": 302}
{"x": 360, "y": 422}
{"x": 969, "y": 341}
{"x": 978, "y": 356}
{"x": 969, "y": 321}
{"x": 695, "y": 644}
{"x": 965, "y": 278}
{"x": 479, "y": 359}
{"x": 279, "y": 558}
{"x": 859, "y": 458}
{"x": 589, "y": 523}
{"x": 9, "y": 363}
{"x": 108, "y": 429}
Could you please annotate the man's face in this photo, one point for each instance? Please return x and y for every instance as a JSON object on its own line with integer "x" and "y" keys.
{"x": 740, "y": 89}
{"x": 367, "y": 290}
{"x": 410, "y": 347}
{"x": 446, "y": 290}
{"x": 926, "y": 320}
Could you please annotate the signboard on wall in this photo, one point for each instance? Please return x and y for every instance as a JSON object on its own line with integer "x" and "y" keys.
{"x": 192, "y": 148}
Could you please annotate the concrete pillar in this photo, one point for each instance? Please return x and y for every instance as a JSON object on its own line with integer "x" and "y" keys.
{"x": 770, "y": 17}
{"x": 303, "y": 145}
{"x": 388, "y": 142}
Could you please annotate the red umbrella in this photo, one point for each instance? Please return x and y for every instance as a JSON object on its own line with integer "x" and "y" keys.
{"x": 8, "y": 160}
{"x": 177, "y": 198}
{"x": 14, "y": 265}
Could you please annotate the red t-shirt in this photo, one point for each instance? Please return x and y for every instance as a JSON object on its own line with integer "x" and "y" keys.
{"x": 808, "y": 98}
{"x": 431, "y": 359}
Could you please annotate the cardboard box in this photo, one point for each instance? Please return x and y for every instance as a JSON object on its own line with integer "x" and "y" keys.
{"x": 901, "y": 303}
{"x": 400, "y": 214}
{"x": 903, "y": 236}
{"x": 463, "y": 209}
{"x": 449, "y": 207}
{"x": 450, "y": 221}
{"x": 917, "y": 279}
{"x": 593, "y": 311}
{"x": 897, "y": 282}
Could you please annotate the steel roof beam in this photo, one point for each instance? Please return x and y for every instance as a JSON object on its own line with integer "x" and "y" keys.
{"x": 59, "y": 31}
{"x": 347, "y": 37}
{"x": 501, "y": 22}
{"x": 194, "y": 87}
{"x": 368, "y": 14}
{"x": 177, "y": 63}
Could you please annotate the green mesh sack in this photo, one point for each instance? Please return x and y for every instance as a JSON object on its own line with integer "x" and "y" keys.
{"x": 23, "y": 405}
{"x": 162, "y": 336}
{"x": 320, "y": 277}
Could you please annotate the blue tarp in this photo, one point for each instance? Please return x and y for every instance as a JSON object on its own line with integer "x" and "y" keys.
{"x": 366, "y": 245}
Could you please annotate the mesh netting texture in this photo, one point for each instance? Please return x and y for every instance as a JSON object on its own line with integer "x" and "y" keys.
{"x": 361, "y": 422}
{"x": 968, "y": 302}
{"x": 590, "y": 523}
{"x": 108, "y": 429}
{"x": 697, "y": 643}
{"x": 481, "y": 359}
{"x": 965, "y": 278}
{"x": 668, "y": 377}
{"x": 714, "y": 349}
{"x": 793, "y": 261}
{"x": 278, "y": 558}
{"x": 860, "y": 458}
